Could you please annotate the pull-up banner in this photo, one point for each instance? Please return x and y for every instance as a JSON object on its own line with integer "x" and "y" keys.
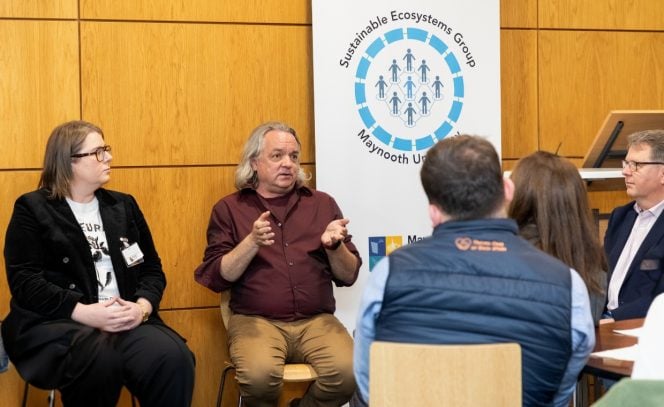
{"x": 391, "y": 78}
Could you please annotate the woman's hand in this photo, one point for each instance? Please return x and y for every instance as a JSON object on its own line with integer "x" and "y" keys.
{"x": 116, "y": 315}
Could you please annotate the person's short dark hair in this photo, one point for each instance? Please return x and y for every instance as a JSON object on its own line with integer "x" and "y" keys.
{"x": 462, "y": 175}
{"x": 65, "y": 140}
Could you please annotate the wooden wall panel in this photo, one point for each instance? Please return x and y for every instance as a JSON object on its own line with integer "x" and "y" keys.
{"x": 178, "y": 100}
{"x": 604, "y": 15}
{"x": 177, "y": 203}
{"x": 206, "y": 337}
{"x": 606, "y": 201}
{"x": 39, "y": 86}
{"x": 518, "y": 62}
{"x": 252, "y": 11}
{"x": 584, "y": 75}
{"x": 518, "y": 13}
{"x": 11, "y": 386}
{"x": 191, "y": 93}
{"x": 508, "y": 165}
{"x": 39, "y": 8}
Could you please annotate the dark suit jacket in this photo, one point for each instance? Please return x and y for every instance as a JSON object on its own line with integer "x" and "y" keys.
{"x": 50, "y": 267}
{"x": 644, "y": 278}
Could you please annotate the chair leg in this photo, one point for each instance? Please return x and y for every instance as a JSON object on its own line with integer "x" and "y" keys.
{"x": 51, "y": 397}
{"x": 222, "y": 384}
{"x": 25, "y": 395}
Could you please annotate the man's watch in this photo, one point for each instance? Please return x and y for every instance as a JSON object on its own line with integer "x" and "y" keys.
{"x": 146, "y": 313}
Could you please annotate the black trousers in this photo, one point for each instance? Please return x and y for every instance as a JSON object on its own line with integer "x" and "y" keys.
{"x": 89, "y": 366}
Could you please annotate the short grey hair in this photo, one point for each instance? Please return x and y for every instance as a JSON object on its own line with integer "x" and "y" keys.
{"x": 652, "y": 138}
{"x": 245, "y": 176}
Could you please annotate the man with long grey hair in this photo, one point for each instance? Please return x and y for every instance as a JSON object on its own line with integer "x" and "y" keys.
{"x": 278, "y": 246}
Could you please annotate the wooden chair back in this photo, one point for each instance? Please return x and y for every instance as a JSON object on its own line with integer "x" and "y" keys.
{"x": 445, "y": 375}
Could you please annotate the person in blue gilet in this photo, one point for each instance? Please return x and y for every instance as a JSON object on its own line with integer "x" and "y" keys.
{"x": 474, "y": 280}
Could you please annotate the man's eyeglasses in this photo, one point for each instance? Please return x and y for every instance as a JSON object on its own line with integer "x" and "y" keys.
{"x": 99, "y": 153}
{"x": 635, "y": 165}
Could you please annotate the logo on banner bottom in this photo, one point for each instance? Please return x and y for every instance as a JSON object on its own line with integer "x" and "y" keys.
{"x": 382, "y": 246}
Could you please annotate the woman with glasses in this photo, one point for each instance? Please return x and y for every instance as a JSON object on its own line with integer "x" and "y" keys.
{"x": 550, "y": 206}
{"x": 86, "y": 282}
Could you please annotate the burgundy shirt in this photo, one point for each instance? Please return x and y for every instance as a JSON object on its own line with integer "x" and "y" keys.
{"x": 289, "y": 280}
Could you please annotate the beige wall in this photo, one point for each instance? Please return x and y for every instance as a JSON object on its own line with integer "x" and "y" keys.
{"x": 178, "y": 84}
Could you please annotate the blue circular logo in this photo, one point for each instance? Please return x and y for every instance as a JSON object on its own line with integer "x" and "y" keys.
{"x": 409, "y": 89}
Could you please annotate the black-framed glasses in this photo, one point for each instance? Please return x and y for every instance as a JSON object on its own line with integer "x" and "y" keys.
{"x": 99, "y": 153}
{"x": 634, "y": 165}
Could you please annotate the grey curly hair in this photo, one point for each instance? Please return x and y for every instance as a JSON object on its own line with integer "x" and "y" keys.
{"x": 245, "y": 176}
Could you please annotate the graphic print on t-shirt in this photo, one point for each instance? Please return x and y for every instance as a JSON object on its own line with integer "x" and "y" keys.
{"x": 98, "y": 251}
{"x": 89, "y": 219}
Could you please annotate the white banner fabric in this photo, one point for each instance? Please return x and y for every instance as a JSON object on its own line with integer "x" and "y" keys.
{"x": 390, "y": 79}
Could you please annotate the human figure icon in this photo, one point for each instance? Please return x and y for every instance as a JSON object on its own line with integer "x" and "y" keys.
{"x": 381, "y": 87}
{"x": 409, "y": 85}
{"x": 394, "y": 100}
{"x": 410, "y": 111}
{"x": 423, "y": 70}
{"x": 409, "y": 57}
{"x": 424, "y": 102}
{"x": 437, "y": 86}
{"x": 394, "y": 68}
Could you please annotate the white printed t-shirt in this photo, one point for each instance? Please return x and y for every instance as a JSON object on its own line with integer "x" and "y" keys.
{"x": 89, "y": 218}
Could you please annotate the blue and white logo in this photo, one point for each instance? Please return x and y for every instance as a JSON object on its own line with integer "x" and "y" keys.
{"x": 409, "y": 89}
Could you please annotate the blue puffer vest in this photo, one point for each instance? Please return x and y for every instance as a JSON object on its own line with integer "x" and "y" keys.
{"x": 478, "y": 282}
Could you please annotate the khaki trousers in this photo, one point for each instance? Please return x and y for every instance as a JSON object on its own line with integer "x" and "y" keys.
{"x": 259, "y": 348}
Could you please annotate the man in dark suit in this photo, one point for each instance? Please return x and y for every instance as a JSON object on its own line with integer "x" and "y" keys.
{"x": 634, "y": 240}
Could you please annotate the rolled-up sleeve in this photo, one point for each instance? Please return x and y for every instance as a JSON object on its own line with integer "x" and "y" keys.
{"x": 220, "y": 240}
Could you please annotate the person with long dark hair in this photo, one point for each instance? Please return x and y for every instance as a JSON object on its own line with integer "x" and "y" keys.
{"x": 550, "y": 206}
{"x": 476, "y": 281}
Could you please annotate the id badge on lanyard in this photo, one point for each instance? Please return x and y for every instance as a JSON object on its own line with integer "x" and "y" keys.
{"x": 131, "y": 253}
